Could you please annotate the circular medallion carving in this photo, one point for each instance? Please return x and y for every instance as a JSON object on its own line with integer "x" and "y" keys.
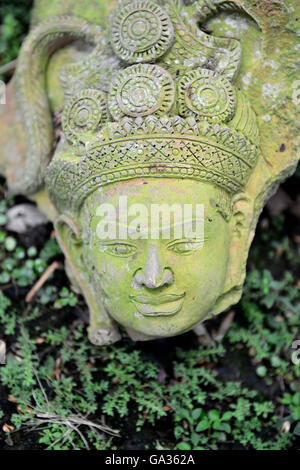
{"x": 86, "y": 112}
{"x": 207, "y": 94}
{"x": 141, "y": 31}
{"x": 141, "y": 90}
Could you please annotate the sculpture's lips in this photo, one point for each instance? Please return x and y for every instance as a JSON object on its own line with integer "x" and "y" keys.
{"x": 160, "y": 305}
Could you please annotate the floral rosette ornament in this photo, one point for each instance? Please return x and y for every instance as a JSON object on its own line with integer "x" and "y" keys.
{"x": 85, "y": 113}
{"x": 141, "y": 31}
{"x": 202, "y": 93}
{"x": 141, "y": 90}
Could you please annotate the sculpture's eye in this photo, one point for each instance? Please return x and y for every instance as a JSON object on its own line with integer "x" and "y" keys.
{"x": 120, "y": 249}
{"x": 185, "y": 247}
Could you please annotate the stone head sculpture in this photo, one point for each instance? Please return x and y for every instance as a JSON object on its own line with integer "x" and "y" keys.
{"x": 156, "y": 112}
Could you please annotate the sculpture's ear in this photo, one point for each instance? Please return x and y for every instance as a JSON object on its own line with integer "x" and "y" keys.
{"x": 69, "y": 237}
{"x": 242, "y": 233}
{"x": 102, "y": 329}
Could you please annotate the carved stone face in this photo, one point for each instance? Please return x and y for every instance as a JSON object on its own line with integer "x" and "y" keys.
{"x": 157, "y": 287}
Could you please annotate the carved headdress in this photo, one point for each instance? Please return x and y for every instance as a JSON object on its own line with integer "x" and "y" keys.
{"x": 170, "y": 109}
{"x": 158, "y": 96}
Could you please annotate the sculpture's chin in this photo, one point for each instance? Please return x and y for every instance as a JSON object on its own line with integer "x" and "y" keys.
{"x": 146, "y": 327}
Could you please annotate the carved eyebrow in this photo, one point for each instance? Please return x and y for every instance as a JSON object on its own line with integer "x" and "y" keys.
{"x": 186, "y": 240}
{"x": 163, "y": 233}
{"x": 116, "y": 241}
{"x": 182, "y": 222}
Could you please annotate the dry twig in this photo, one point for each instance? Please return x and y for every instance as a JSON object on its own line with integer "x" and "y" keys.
{"x": 55, "y": 265}
{"x": 224, "y": 327}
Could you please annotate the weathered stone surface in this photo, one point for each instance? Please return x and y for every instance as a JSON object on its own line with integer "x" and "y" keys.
{"x": 149, "y": 106}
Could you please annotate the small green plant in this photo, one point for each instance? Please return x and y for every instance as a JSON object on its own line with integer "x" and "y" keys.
{"x": 78, "y": 396}
{"x": 67, "y": 298}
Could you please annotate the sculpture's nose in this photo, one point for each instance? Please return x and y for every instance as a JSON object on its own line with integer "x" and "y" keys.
{"x": 153, "y": 275}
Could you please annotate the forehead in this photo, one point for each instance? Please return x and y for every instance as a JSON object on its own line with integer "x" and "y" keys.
{"x": 159, "y": 207}
{"x": 154, "y": 191}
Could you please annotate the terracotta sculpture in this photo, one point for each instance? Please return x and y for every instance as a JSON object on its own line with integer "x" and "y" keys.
{"x": 173, "y": 102}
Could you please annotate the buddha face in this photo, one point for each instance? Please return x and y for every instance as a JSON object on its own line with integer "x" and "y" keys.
{"x": 156, "y": 279}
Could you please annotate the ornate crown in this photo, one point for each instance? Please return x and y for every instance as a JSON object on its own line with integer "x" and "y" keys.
{"x": 154, "y": 100}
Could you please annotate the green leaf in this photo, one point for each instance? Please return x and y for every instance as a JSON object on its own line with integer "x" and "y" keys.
{"x": 214, "y": 415}
{"x": 216, "y": 424}
{"x": 225, "y": 427}
{"x": 32, "y": 252}
{"x": 275, "y": 361}
{"x": 10, "y": 243}
{"x": 185, "y": 414}
{"x": 4, "y": 278}
{"x": 195, "y": 438}
{"x": 203, "y": 425}
{"x": 64, "y": 292}
{"x": 226, "y": 416}
{"x": 297, "y": 429}
{"x": 196, "y": 413}
{"x": 2, "y": 219}
{"x": 261, "y": 371}
{"x": 183, "y": 446}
